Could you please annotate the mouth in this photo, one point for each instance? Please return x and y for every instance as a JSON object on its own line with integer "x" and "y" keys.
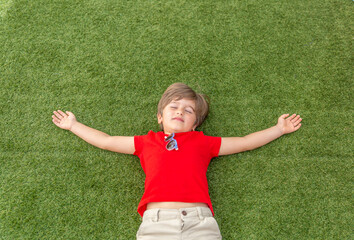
{"x": 178, "y": 119}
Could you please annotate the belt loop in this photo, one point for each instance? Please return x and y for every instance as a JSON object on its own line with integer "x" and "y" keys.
{"x": 200, "y": 213}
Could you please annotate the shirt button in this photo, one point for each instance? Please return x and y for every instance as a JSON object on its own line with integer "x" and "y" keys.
{"x": 184, "y": 213}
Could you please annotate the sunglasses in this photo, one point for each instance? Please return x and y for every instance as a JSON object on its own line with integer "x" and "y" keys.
{"x": 171, "y": 142}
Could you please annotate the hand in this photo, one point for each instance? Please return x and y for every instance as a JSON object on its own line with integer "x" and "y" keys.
{"x": 63, "y": 120}
{"x": 290, "y": 124}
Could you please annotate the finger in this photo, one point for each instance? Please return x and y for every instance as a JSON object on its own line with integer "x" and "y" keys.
{"x": 55, "y": 119}
{"x": 295, "y": 119}
{"x": 62, "y": 113}
{"x": 284, "y": 115}
{"x": 291, "y": 117}
{"x": 69, "y": 113}
{"x": 298, "y": 126}
{"x": 56, "y": 122}
{"x": 298, "y": 122}
{"x": 58, "y": 115}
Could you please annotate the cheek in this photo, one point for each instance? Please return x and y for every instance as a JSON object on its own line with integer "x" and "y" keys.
{"x": 167, "y": 115}
{"x": 192, "y": 119}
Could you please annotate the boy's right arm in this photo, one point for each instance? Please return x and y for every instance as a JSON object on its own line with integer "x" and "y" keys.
{"x": 97, "y": 138}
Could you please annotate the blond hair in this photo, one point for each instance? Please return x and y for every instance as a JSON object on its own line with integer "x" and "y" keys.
{"x": 178, "y": 91}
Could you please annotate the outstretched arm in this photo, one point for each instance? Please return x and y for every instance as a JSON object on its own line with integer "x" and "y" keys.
{"x": 286, "y": 124}
{"x": 97, "y": 138}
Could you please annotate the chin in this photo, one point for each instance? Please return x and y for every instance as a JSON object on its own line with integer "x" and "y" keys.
{"x": 181, "y": 130}
{"x": 177, "y": 130}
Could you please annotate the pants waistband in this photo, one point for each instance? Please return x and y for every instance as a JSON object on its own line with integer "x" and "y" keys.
{"x": 160, "y": 214}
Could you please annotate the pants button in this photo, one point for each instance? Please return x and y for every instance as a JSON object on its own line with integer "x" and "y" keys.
{"x": 184, "y": 213}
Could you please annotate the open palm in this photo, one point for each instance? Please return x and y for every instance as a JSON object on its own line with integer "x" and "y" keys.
{"x": 63, "y": 120}
{"x": 290, "y": 124}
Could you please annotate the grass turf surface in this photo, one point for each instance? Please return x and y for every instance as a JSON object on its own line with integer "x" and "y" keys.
{"x": 110, "y": 61}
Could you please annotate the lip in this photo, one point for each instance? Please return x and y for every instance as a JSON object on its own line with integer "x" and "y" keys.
{"x": 178, "y": 119}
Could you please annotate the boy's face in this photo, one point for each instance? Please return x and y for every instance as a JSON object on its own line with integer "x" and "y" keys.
{"x": 178, "y": 116}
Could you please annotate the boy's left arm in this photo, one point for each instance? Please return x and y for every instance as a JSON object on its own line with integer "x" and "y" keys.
{"x": 231, "y": 145}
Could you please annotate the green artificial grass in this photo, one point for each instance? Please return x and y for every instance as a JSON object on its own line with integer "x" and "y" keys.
{"x": 109, "y": 62}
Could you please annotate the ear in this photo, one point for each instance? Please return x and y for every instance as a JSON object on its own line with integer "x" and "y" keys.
{"x": 159, "y": 118}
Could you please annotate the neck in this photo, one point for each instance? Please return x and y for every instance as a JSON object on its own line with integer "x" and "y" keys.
{"x": 170, "y": 132}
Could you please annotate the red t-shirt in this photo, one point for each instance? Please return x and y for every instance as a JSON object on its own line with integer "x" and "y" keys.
{"x": 176, "y": 175}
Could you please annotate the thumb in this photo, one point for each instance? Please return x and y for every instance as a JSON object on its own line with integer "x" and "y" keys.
{"x": 284, "y": 115}
{"x": 70, "y": 114}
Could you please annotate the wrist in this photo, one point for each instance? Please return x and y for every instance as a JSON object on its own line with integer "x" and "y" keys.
{"x": 279, "y": 130}
{"x": 73, "y": 125}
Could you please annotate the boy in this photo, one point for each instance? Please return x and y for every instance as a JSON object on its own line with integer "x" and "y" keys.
{"x": 176, "y": 202}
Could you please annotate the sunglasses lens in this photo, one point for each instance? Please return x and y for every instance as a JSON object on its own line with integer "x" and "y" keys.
{"x": 169, "y": 137}
{"x": 171, "y": 145}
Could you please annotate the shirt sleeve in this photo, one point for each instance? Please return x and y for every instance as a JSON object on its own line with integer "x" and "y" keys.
{"x": 214, "y": 144}
{"x": 138, "y": 144}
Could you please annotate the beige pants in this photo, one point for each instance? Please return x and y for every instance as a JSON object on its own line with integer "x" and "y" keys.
{"x": 182, "y": 224}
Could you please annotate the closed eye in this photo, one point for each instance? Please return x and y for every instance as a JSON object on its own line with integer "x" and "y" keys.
{"x": 189, "y": 111}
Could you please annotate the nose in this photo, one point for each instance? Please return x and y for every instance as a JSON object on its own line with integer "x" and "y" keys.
{"x": 179, "y": 112}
